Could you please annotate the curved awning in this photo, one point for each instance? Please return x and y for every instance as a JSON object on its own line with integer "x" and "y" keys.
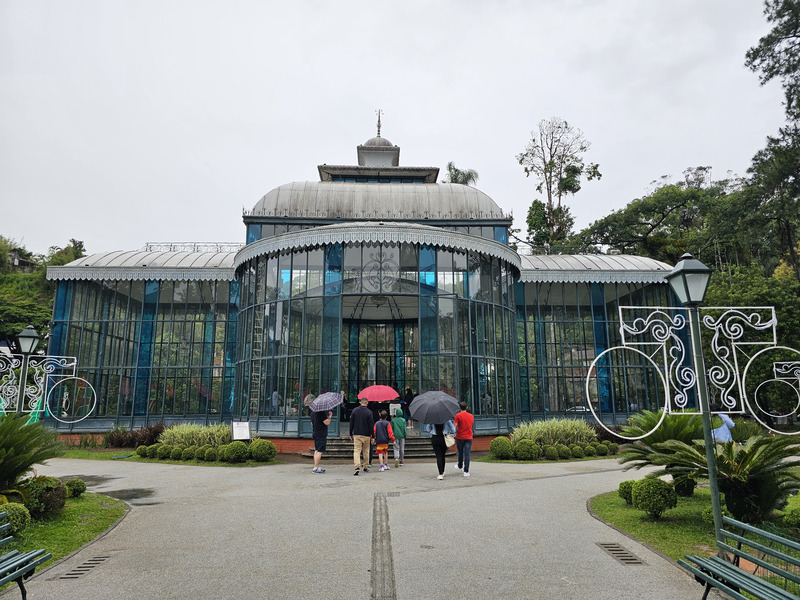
{"x": 592, "y": 268}
{"x": 376, "y": 232}
{"x": 148, "y": 265}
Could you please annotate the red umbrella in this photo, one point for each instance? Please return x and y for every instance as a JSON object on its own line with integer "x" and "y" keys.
{"x": 378, "y": 393}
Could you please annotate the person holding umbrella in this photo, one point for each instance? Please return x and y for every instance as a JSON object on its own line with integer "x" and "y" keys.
{"x": 321, "y": 406}
{"x": 436, "y": 409}
{"x": 319, "y": 424}
{"x": 438, "y": 431}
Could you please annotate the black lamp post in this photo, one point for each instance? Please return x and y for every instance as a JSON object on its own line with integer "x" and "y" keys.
{"x": 27, "y": 339}
{"x": 689, "y": 280}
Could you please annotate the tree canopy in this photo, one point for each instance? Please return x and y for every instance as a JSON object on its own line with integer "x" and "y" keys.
{"x": 456, "y": 175}
{"x": 554, "y": 156}
{"x": 27, "y": 298}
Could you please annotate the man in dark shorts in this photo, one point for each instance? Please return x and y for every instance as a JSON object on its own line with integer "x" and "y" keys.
{"x": 319, "y": 425}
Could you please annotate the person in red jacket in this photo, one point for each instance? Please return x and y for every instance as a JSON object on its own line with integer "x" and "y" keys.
{"x": 463, "y": 422}
{"x": 383, "y": 435}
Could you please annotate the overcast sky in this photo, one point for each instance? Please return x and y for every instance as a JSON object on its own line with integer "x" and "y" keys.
{"x": 126, "y": 122}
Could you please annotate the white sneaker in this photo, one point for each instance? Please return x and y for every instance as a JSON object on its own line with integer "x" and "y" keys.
{"x": 466, "y": 474}
{"x": 457, "y": 468}
{"x": 440, "y": 477}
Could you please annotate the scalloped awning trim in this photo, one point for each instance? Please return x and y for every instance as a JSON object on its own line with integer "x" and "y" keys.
{"x": 376, "y": 232}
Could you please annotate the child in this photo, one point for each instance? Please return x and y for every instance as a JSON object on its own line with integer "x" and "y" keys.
{"x": 399, "y": 430}
{"x": 383, "y": 435}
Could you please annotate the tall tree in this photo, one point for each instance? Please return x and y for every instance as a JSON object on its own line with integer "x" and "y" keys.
{"x": 777, "y": 54}
{"x": 775, "y": 188}
{"x": 554, "y": 156}
{"x": 456, "y": 175}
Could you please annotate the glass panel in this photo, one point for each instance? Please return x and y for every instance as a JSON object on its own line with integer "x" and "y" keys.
{"x": 316, "y": 266}
{"x": 299, "y": 272}
{"x": 313, "y": 326}
{"x": 352, "y": 268}
{"x": 253, "y": 232}
{"x": 427, "y": 269}
{"x": 408, "y": 268}
{"x": 447, "y": 325}
{"x": 333, "y": 270}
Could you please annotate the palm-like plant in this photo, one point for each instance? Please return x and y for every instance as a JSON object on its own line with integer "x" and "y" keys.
{"x": 23, "y": 445}
{"x": 456, "y": 175}
{"x": 756, "y": 476}
{"x": 682, "y": 427}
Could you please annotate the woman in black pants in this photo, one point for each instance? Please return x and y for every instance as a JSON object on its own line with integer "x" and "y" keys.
{"x": 438, "y": 432}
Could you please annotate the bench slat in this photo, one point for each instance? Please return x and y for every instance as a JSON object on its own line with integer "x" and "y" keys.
{"x": 765, "y": 549}
{"x": 710, "y": 580}
{"x": 738, "y": 577}
{"x": 750, "y": 580}
{"x": 795, "y": 577}
{"x": 794, "y": 545}
{"x": 19, "y": 565}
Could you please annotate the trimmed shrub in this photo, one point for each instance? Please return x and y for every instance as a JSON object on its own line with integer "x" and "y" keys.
{"x": 653, "y": 496}
{"x": 500, "y": 447}
{"x": 189, "y": 453}
{"x": 625, "y": 490}
{"x": 43, "y": 495}
{"x": 577, "y": 452}
{"x": 176, "y": 454}
{"x": 613, "y": 448}
{"x": 684, "y": 486}
{"x": 165, "y": 451}
{"x": 564, "y": 451}
{"x": 141, "y": 451}
{"x": 262, "y": 450}
{"x": 602, "y": 450}
{"x": 152, "y": 450}
{"x": 236, "y": 452}
{"x": 75, "y": 487}
{"x": 221, "y": 450}
{"x": 211, "y": 455}
{"x": 589, "y": 451}
{"x": 550, "y": 452}
{"x": 527, "y": 450}
{"x": 18, "y": 516}
{"x": 201, "y": 452}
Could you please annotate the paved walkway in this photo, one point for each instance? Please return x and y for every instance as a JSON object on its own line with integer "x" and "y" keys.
{"x": 507, "y": 532}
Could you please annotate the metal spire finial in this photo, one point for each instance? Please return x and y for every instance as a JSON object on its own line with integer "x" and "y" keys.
{"x": 378, "y": 112}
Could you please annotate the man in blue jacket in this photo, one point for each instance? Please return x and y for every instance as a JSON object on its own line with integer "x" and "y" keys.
{"x": 362, "y": 424}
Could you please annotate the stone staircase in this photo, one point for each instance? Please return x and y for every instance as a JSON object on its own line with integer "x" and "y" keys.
{"x": 341, "y": 448}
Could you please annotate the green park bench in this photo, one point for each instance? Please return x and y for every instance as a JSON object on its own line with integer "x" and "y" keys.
{"x": 771, "y": 571}
{"x": 16, "y": 565}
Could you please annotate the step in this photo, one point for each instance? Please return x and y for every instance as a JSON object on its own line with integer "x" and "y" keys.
{"x": 342, "y": 448}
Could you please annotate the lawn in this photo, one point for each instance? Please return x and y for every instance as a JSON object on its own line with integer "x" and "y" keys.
{"x": 80, "y": 521}
{"x": 679, "y": 531}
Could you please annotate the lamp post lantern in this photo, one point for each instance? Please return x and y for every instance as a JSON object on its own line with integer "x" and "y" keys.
{"x": 689, "y": 280}
{"x": 27, "y": 340}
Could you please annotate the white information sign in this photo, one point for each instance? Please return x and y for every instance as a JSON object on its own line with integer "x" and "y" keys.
{"x": 240, "y": 430}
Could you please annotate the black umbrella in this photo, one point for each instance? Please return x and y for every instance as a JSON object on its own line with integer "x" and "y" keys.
{"x": 434, "y": 407}
{"x": 326, "y": 401}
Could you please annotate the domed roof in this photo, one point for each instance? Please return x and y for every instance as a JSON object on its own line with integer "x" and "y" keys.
{"x": 379, "y": 141}
{"x": 391, "y": 201}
